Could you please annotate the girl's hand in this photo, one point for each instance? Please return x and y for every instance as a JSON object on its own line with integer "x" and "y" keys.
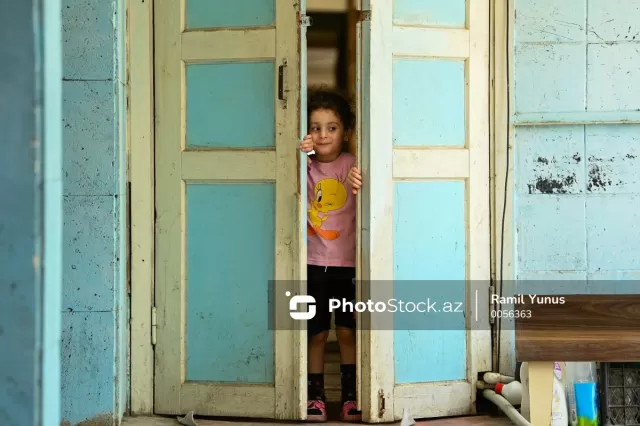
{"x": 306, "y": 146}
{"x": 355, "y": 179}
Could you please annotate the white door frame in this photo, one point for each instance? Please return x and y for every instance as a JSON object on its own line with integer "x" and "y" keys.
{"x": 141, "y": 147}
{"x": 503, "y": 248}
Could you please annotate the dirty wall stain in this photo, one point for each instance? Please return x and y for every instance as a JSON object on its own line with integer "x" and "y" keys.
{"x": 606, "y": 172}
{"x": 550, "y": 178}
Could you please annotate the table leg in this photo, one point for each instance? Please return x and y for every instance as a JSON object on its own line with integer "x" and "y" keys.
{"x": 540, "y": 392}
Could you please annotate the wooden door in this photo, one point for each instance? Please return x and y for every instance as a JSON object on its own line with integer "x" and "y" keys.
{"x": 229, "y": 207}
{"x": 425, "y": 201}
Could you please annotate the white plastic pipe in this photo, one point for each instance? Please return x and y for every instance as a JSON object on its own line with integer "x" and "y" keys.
{"x": 493, "y": 378}
{"x": 482, "y": 385}
{"x": 506, "y": 408}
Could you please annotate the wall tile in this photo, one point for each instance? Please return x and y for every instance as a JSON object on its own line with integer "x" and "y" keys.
{"x": 88, "y": 253}
{"x": 550, "y": 21}
{"x": 613, "y": 20}
{"x": 549, "y": 77}
{"x": 87, "y": 365}
{"x": 551, "y": 234}
{"x": 613, "y": 159}
{"x": 615, "y": 282}
{"x": 551, "y": 160}
{"x": 88, "y": 35}
{"x": 89, "y": 138}
{"x": 613, "y": 80}
{"x": 613, "y": 232}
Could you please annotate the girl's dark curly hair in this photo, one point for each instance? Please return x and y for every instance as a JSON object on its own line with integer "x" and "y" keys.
{"x": 323, "y": 97}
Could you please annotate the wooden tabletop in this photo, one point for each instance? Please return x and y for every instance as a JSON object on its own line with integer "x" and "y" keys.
{"x": 593, "y": 328}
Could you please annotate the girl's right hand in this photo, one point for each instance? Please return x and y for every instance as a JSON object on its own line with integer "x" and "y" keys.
{"x": 307, "y": 144}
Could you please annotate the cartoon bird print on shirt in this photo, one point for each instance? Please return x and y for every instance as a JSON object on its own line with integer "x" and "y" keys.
{"x": 329, "y": 195}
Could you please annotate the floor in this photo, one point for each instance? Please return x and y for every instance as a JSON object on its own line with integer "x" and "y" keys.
{"x": 458, "y": 421}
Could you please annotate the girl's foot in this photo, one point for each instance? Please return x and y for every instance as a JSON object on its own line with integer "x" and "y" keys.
{"x": 316, "y": 411}
{"x": 350, "y": 412}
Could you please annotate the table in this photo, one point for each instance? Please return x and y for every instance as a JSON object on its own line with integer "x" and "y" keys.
{"x": 592, "y": 328}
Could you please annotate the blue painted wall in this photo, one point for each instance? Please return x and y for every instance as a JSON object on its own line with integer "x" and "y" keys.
{"x": 577, "y": 192}
{"x": 30, "y": 213}
{"x": 577, "y": 187}
{"x": 94, "y": 379}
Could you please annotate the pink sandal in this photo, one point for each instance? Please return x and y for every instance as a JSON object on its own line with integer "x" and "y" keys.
{"x": 350, "y": 412}
{"x": 316, "y": 411}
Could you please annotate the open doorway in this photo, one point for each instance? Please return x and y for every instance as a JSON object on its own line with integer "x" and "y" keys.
{"x": 331, "y": 61}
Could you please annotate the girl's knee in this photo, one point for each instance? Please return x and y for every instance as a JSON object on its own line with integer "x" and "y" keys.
{"x": 345, "y": 336}
{"x": 319, "y": 338}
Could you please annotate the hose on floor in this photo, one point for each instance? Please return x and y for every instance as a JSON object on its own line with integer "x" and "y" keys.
{"x": 505, "y": 407}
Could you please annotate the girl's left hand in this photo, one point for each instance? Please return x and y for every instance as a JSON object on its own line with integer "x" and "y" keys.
{"x": 355, "y": 179}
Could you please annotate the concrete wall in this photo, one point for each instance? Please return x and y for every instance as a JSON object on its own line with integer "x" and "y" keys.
{"x": 30, "y": 213}
{"x": 576, "y": 179}
{"x": 577, "y": 201}
{"x": 94, "y": 347}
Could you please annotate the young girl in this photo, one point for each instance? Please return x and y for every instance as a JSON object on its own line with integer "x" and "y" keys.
{"x": 333, "y": 181}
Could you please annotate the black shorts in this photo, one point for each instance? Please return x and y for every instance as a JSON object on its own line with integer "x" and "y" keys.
{"x": 330, "y": 282}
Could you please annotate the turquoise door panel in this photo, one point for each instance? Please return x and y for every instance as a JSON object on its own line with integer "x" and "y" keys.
{"x": 229, "y": 255}
{"x": 428, "y": 102}
{"x": 429, "y": 255}
{"x": 229, "y": 14}
{"x": 438, "y": 13}
{"x": 230, "y": 105}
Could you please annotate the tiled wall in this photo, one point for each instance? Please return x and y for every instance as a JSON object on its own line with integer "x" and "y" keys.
{"x": 94, "y": 313}
{"x": 577, "y": 186}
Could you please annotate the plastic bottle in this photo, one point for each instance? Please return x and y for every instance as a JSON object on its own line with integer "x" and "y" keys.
{"x": 525, "y": 411}
{"x": 569, "y": 385}
{"x": 586, "y": 390}
{"x": 559, "y": 413}
{"x": 512, "y": 392}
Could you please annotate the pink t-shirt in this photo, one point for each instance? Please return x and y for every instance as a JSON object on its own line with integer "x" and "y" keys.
{"x": 331, "y": 213}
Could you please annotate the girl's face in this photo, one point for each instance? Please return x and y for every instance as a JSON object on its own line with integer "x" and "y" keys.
{"x": 328, "y": 134}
